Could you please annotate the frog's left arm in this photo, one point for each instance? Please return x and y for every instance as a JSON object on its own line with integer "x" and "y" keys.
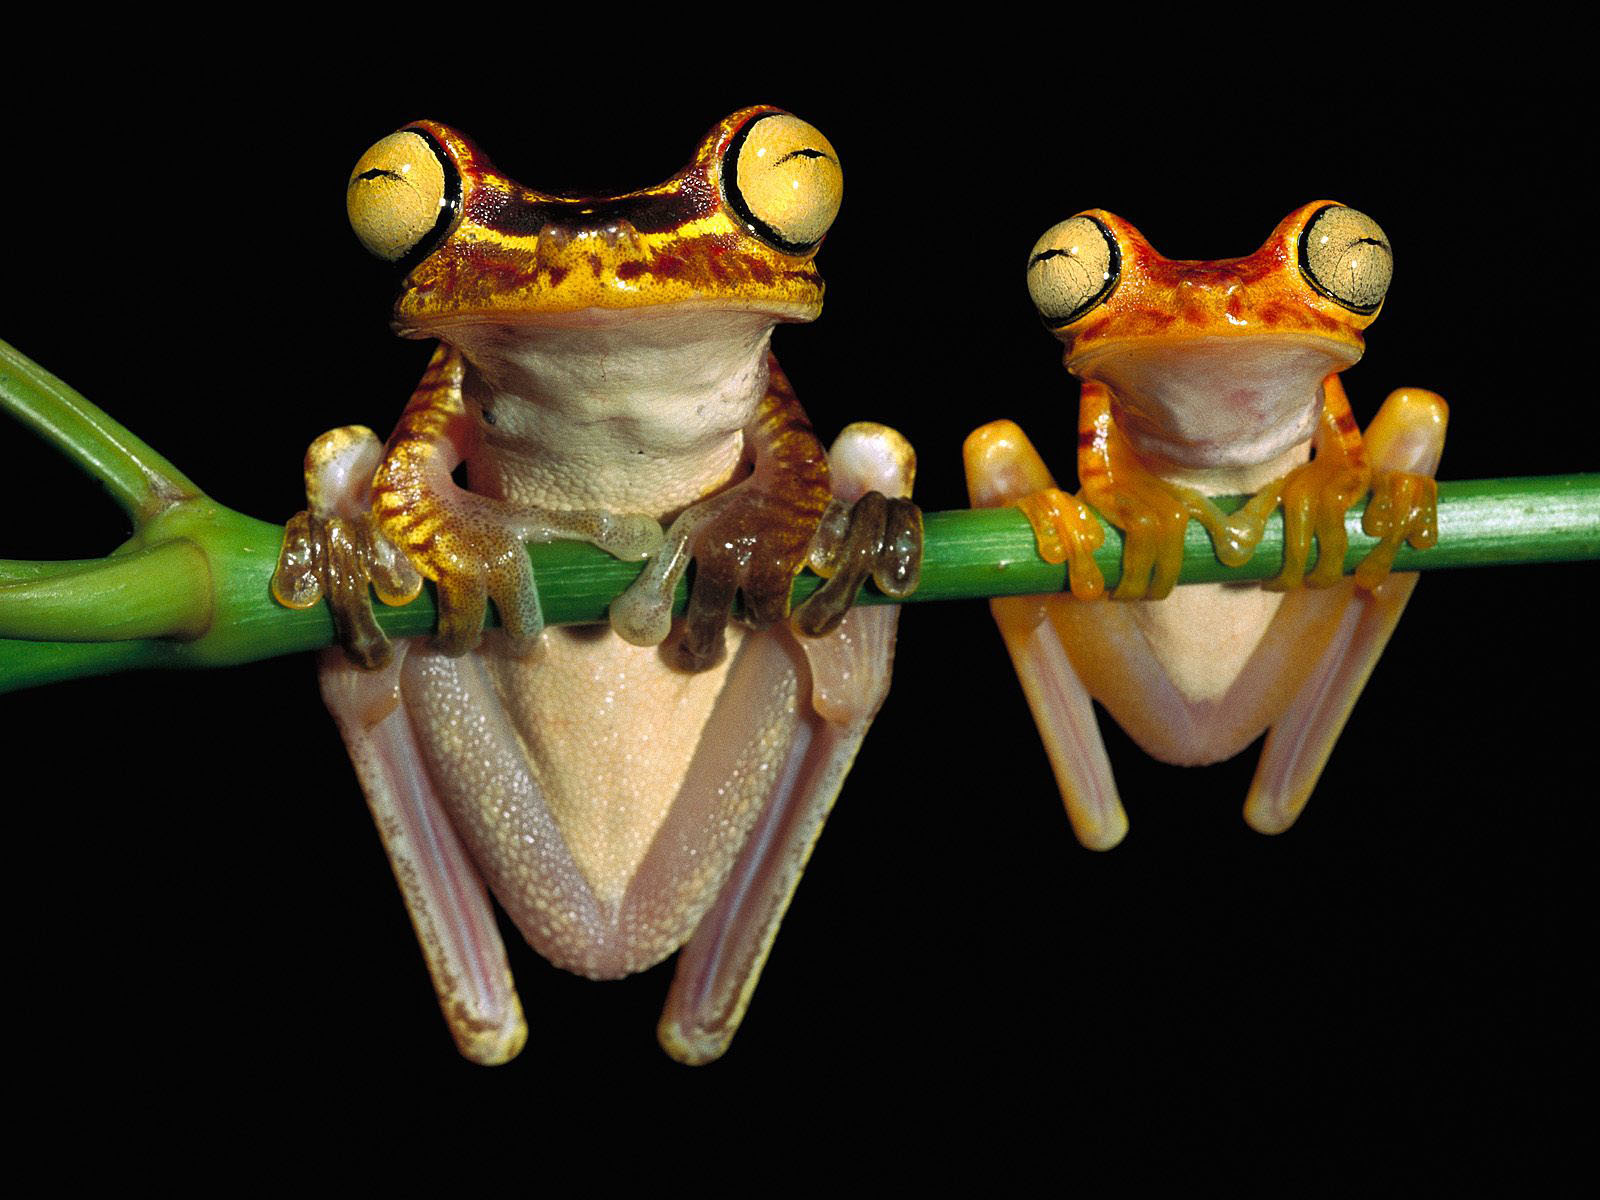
{"x": 755, "y": 537}
{"x": 756, "y": 540}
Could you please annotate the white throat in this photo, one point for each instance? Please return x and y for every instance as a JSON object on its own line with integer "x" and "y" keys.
{"x": 1218, "y": 402}
{"x": 634, "y": 411}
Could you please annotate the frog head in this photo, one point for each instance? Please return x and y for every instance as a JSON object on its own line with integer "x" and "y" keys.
{"x": 734, "y": 231}
{"x": 1212, "y": 346}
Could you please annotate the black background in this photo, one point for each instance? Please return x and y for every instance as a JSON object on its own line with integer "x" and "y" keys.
{"x": 199, "y": 900}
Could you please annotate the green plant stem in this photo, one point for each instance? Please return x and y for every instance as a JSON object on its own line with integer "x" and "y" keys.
{"x": 142, "y": 482}
{"x": 190, "y": 588}
{"x": 969, "y": 554}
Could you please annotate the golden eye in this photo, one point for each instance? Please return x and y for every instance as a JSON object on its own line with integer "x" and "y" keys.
{"x": 1072, "y": 268}
{"x": 401, "y": 191}
{"x": 783, "y": 179}
{"x": 1347, "y": 257}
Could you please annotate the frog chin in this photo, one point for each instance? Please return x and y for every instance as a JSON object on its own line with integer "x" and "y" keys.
{"x": 1217, "y": 402}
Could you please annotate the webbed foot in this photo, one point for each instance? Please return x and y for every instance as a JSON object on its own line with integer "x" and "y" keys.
{"x": 1405, "y": 503}
{"x": 753, "y": 542}
{"x": 1316, "y": 496}
{"x": 335, "y": 548}
{"x": 870, "y": 535}
{"x": 475, "y": 550}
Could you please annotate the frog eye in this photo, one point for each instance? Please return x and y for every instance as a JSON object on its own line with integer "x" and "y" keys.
{"x": 783, "y": 179}
{"x": 1347, "y": 257}
{"x": 1072, "y": 268}
{"x": 401, "y": 193}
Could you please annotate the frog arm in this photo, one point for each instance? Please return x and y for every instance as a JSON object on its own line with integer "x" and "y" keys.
{"x": 472, "y": 546}
{"x": 1403, "y": 444}
{"x": 1152, "y": 513}
{"x": 1003, "y": 468}
{"x": 1317, "y": 494}
{"x": 449, "y": 906}
{"x": 718, "y": 969}
{"x": 754, "y": 538}
{"x": 397, "y": 516}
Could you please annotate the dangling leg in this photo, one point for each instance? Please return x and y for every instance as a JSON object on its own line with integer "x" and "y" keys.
{"x": 450, "y": 909}
{"x": 1002, "y": 468}
{"x": 1403, "y": 442}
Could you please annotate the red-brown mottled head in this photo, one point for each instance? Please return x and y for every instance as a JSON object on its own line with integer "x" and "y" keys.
{"x": 1097, "y": 281}
{"x": 1168, "y": 336}
{"x": 735, "y": 229}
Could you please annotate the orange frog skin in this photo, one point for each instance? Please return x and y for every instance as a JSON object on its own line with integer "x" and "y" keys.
{"x": 1203, "y": 379}
{"x": 602, "y": 369}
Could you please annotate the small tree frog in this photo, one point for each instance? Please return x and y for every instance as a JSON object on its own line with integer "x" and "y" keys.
{"x": 1203, "y": 379}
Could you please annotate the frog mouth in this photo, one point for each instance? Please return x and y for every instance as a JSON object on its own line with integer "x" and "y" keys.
{"x": 607, "y": 316}
{"x": 1217, "y": 400}
{"x": 573, "y": 278}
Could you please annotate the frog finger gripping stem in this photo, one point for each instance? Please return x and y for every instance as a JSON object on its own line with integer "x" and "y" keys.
{"x": 603, "y": 369}
{"x": 1203, "y": 379}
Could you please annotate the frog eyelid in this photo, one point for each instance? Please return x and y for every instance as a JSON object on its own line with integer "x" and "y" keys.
{"x": 1068, "y": 296}
{"x": 449, "y": 203}
{"x": 1351, "y": 262}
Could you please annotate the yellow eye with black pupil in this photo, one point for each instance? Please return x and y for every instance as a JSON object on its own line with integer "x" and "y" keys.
{"x": 1346, "y": 257}
{"x": 1071, "y": 269}
{"x": 402, "y": 195}
{"x": 782, "y": 178}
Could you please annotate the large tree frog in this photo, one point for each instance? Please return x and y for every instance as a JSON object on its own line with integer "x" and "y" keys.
{"x": 1204, "y": 379}
{"x": 603, "y": 365}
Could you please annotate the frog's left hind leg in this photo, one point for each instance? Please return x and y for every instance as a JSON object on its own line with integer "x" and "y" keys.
{"x": 1404, "y": 440}
{"x": 719, "y": 967}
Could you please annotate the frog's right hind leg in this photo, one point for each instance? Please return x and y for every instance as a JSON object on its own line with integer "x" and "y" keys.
{"x": 449, "y": 906}
{"x": 1002, "y": 468}
{"x": 1403, "y": 442}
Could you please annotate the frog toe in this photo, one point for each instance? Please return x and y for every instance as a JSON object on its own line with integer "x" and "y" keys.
{"x": 1315, "y": 498}
{"x": 463, "y": 609}
{"x": 631, "y": 537}
{"x": 878, "y": 538}
{"x": 705, "y": 623}
{"x": 502, "y": 575}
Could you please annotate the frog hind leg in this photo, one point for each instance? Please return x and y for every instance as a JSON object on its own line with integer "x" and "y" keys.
{"x": 1404, "y": 440}
{"x": 1003, "y": 468}
{"x": 719, "y": 967}
{"x": 449, "y": 907}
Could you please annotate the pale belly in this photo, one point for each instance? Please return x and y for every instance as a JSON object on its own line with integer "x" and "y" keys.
{"x": 605, "y": 796}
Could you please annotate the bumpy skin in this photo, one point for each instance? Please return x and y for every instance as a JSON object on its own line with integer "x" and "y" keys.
{"x": 1200, "y": 379}
{"x": 603, "y": 369}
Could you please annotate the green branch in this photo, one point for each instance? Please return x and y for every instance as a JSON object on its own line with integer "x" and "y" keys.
{"x": 189, "y": 589}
